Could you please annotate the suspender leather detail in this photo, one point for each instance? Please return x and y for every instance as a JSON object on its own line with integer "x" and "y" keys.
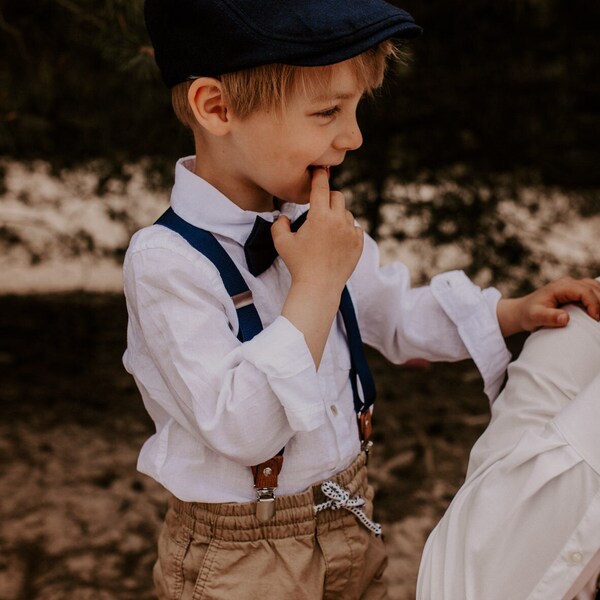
{"x": 365, "y": 425}
{"x": 266, "y": 474}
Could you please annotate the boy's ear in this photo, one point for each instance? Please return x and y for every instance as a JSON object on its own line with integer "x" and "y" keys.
{"x": 208, "y": 105}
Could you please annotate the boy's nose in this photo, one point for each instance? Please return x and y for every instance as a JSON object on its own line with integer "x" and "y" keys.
{"x": 350, "y": 139}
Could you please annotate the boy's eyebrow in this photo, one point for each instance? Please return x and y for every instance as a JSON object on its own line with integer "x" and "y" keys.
{"x": 338, "y": 96}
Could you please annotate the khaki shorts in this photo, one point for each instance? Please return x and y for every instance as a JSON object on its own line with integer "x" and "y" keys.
{"x": 221, "y": 551}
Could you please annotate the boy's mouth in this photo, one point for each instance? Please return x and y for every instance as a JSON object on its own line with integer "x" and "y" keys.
{"x": 327, "y": 168}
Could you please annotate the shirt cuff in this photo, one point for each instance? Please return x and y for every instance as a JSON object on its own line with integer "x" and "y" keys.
{"x": 474, "y": 313}
{"x": 281, "y": 353}
{"x": 578, "y": 423}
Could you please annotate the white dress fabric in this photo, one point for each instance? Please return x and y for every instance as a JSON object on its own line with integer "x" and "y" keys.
{"x": 526, "y": 523}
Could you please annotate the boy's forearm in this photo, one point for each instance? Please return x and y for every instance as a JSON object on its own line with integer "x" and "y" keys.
{"x": 311, "y": 309}
{"x": 508, "y": 314}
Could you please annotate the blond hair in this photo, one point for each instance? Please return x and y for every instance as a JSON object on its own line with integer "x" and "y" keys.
{"x": 267, "y": 87}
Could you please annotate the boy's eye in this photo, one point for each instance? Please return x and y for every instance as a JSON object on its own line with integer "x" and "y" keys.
{"x": 330, "y": 112}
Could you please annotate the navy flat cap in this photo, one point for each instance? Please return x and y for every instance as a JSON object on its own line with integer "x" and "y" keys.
{"x": 212, "y": 37}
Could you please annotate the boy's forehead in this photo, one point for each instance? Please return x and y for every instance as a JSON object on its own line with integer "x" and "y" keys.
{"x": 336, "y": 82}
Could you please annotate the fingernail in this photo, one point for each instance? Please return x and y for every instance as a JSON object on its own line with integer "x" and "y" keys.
{"x": 562, "y": 319}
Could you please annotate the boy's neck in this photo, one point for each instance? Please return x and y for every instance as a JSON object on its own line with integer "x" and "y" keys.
{"x": 225, "y": 180}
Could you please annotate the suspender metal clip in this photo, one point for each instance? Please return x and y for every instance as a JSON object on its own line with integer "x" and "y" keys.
{"x": 265, "y": 482}
{"x": 265, "y": 504}
{"x": 366, "y": 447}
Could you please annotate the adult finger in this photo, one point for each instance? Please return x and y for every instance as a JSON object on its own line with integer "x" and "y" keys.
{"x": 319, "y": 190}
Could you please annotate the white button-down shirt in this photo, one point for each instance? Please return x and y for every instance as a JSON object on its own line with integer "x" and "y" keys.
{"x": 220, "y": 406}
{"x": 526, "y": 523}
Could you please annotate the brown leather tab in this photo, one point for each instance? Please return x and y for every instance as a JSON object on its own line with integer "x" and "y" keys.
{"x": 265, "y": 474}
{"x": 365, "y": 425}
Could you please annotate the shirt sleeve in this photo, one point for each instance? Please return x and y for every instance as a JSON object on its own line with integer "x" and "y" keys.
{"x": 449, "y": 320}
{"x": 246, "y": 400}
{"x": 525, "y": 523}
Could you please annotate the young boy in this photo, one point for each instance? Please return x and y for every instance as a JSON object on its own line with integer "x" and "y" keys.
{"x": 239, "y": 354}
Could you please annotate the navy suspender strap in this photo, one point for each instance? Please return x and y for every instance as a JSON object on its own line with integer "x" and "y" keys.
{"x": 265, "y": 474}
{"x": 206, "y": 243}
{"x": 249, "y": 321}
{"x": 359, "y": 370}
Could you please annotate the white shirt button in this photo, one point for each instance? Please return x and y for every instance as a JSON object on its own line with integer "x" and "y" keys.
{"x": 575, "y": 558}
{"x": 334, "y": 409}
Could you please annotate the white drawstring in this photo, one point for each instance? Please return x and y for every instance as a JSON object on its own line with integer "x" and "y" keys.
{"x": 340, "y": 498}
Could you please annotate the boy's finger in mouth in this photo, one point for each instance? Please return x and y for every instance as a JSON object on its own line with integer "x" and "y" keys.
{"x": 327, "y": 168}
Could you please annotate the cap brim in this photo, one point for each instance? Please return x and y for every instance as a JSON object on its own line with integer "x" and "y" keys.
{"x": 323, "y": 55}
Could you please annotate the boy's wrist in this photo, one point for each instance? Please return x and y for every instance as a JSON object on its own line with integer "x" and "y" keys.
{"x": 508, "y": 311}
{"x": 311, "y": 307}
{"x": 326, "y": 291}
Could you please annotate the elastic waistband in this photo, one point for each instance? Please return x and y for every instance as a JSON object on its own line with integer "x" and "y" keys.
{"x": 294, "y": 514}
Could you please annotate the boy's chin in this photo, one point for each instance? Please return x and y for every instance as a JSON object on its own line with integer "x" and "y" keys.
{"x": 299, "y": 198}
{"x": 297, "y": 192}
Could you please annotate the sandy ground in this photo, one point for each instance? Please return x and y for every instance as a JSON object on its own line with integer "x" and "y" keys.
{"x": 78, "y": 522}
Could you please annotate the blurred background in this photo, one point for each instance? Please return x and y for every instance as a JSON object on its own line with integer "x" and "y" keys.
{"x": 481, "y": 153}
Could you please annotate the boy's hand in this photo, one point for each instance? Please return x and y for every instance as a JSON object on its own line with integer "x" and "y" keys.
{"x": 325, "y": 250}
{"x": 320, "y": 256}
{"x": 540, "y": 308}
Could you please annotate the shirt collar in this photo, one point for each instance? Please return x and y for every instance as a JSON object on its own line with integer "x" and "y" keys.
{"x": 199, "y": 203}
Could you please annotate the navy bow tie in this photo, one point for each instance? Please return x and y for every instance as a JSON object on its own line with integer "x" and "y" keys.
{"x": 259, "y": 247}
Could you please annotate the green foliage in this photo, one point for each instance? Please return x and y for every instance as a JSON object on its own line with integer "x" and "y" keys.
{"x": 500, "y": 86}
{"x": 503, "y": 86}
{"x": 506, "y": 87}
{"x": 492, "y": 88}
{"x": 467, "y": 215}
{"x": 81, "y": 84}
{"x": 495, "y": 96}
